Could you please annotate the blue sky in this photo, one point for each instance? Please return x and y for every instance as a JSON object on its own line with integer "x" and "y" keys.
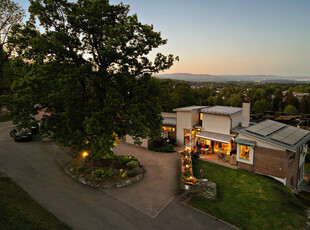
{"x": 230, "y": 36}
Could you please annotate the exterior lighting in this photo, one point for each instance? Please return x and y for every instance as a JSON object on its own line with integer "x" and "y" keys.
{"x": 190, "y": 178}
{"x": 85, "y": 154}
{"x": 187, "y": 166}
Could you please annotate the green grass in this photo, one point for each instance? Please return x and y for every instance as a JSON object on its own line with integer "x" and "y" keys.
{"x": 248, "y": 200}
{"x": 19, "y": 211}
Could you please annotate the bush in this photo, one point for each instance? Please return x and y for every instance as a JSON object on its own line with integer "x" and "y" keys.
{"x": 164, "y": 148}
{"x": 108, "y": 173}
{"x": 132, "y": 174}
{"x": 125, "y": 159}
{"x": 98, "y": 173}
{"x": 132, "y": 164}
{"x": 80, "y": 169}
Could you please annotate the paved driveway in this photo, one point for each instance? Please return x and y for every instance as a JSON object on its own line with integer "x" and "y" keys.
{"x": 38, "y": 168}
{"x": 158, "y": 186}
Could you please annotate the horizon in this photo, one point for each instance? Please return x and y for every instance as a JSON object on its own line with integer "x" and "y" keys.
{"x": 223, "y": 37}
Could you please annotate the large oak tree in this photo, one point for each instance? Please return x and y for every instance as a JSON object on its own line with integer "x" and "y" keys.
{"x": 89, "y": 66}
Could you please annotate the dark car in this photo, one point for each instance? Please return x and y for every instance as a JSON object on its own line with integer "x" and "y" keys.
{"x": 21, "y": 135}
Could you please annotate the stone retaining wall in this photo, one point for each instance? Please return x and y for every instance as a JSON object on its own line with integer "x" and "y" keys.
{"x": 109, "y": 185}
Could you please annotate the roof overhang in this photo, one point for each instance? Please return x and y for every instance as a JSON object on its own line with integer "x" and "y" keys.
{"x": 224, "y": 138}
{"x": 245, "y": 142}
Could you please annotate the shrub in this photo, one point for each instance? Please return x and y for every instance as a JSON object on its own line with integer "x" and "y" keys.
{"x": 80, "y": 168}
{"x": 164, "y": 148}
{"x": 98, "y": 173}
{"x": 108, "y": 173}
{"x": 125, "y": 159}
{"x": 132, "y": 164}
{"x": 132, "y": 174}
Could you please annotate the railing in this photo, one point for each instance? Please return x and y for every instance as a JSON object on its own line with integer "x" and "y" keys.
{"x": 190, "y": 143}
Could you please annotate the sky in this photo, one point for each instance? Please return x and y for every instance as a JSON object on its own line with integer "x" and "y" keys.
{"x": 230, "y": 37}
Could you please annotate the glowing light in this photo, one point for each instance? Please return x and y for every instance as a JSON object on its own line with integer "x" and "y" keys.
{"x": 85, "y": 154}
{"x": 187, "y": 166}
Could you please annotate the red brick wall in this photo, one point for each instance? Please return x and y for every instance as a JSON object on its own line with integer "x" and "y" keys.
{"x": 270, "y": 162}
{"x": 245, "y": 166}
{"x": 292, "y": 169}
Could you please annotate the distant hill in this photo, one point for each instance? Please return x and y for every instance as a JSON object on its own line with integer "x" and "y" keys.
{"x": 234, "y": 78}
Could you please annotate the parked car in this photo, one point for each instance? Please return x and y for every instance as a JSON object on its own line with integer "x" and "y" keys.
{"x": 21, "y": 134}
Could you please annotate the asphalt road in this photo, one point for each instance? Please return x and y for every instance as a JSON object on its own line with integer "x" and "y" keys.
{"x": 39, "y": 168}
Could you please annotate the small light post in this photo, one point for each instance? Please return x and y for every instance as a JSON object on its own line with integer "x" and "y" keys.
{"x": 85, "y": 154}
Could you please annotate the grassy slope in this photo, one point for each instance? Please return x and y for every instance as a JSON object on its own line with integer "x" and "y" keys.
{"x": 19, "y": 211}
{"x": 249, "y": 201}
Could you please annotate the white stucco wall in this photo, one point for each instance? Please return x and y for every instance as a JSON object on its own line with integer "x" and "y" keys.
{"x": 236, "y": 119}
{"x": 195, "y": 117}
{"x": 184, "y": 121}
{"x": 131, "y": 141}
{"x": 216, "y": 123}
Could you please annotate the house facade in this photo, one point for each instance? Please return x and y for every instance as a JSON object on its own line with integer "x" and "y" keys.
{"x": 270, "y": 148}
{"x": 225, "y": 133}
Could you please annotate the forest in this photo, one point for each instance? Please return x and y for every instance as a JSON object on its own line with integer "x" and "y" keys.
{"x": 288, "y": 98}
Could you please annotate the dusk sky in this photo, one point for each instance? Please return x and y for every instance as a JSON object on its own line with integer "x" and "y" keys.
{"x": 230, "y": 36}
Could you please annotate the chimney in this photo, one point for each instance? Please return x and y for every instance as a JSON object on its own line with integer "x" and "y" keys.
{"x": 246, "y": 114}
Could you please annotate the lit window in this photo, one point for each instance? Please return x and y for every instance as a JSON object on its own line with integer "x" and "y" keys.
{"x": 173, "y": 129}
{"x": 201, "y": 116}
{"x": 245, "y": 152}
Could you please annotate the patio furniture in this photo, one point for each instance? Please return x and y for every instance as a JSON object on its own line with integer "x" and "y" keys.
{"x": 221, "y": 154}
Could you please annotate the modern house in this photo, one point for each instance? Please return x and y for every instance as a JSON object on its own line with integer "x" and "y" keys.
{"x": 220, "y": 132}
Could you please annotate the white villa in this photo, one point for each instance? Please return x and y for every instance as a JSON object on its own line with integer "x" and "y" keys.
{"x": 225, "y": 133}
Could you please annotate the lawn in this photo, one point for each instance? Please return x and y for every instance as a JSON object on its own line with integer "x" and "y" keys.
{"x": 19, "y": 211}
{"x": 249, "y": 201}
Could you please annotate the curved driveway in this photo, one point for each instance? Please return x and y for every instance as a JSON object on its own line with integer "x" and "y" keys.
{"x": 38, "y": 168}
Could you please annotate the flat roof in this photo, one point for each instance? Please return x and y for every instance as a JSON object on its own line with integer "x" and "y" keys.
{"x": 221, "y": 110}
{"x": 189, "y": 108}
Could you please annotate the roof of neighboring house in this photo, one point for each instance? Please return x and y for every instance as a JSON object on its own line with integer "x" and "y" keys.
{"x": 221, "y": 110}
{"x": 277, "y": 133}
{"x": 284, "y": 118}
{"x": 189, "y": 108}
{"x": 170, "y": 121}
{"x": 165, "y": 114}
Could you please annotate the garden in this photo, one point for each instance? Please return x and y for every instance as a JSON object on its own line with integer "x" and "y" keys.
{"x": 111, "y": 171}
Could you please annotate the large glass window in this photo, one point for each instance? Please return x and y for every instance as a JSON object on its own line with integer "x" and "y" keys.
{"x": 244, "y": 152}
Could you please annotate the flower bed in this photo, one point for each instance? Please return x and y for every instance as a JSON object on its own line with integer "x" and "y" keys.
{"x": 117, "y": 171}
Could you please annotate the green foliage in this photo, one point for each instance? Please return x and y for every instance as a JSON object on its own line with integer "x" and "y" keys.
{"x": 96, "y": 82}
{"x": 125, "y": 159}
{"x": 132, "y": 164}
{"x": 161, "y": 146}
{"x": 80, "y": 169}
{"x": 132, "y": 174}
{"x": 290, "y": 109}
{"x": 108, "y": 173}
{"x": 262, "y": 106}
{"x": 98, "y": 173}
